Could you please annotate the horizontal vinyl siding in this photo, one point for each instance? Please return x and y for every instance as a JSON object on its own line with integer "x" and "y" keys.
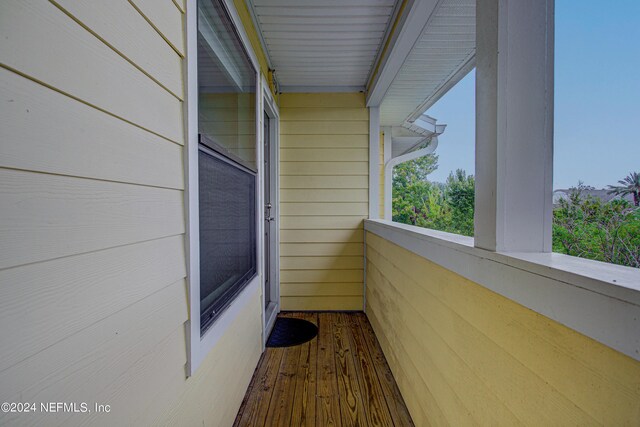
{"x": 93, "y": 290}
{"x": 324, "y": 199}
{"x": 464, "y": 355}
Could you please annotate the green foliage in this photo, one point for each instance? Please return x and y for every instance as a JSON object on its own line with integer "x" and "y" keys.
{"x": 629, "y": 185}
{"x": 583, "y": 226}
{"x": 589, "y": 228}
{"x": 417, "y": 201}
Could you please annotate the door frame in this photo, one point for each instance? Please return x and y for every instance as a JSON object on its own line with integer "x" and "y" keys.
{"x": 270, "y": 108}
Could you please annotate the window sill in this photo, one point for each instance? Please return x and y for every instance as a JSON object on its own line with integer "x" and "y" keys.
{"x": 597, "y": 299}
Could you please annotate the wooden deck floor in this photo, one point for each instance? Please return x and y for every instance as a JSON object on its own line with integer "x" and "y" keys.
{"x": 340, "y": 378}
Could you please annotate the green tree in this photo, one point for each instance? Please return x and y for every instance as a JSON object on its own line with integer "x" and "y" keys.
{"x": 587, "y": 227}
{"x": 629, "y": 185}
{"x": 460, "y": 196}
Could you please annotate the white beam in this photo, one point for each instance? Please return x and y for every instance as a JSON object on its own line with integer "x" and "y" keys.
{"x": 514, "y": 125}
{"x": 374, "y": 159}
{"x": 410, "y": 26}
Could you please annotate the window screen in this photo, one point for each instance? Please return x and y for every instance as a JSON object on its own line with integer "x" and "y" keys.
{"x": 227, "y": 232}
{"x": 227, "y": 161}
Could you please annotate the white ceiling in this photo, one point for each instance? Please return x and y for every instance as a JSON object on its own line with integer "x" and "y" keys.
{"x": 440, "y": 57}
{"x": 322, "y": 44}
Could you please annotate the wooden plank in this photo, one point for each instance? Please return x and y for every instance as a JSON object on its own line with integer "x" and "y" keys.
{"x": 373, "y": 398}
{"x": 322, "y": 263}
{"x": 327, "y": 401}
{"x": 324, "y": 154}
{"x": 394, "y": 399}
{"x": 321, "y": 289}
{"x": 43, "y": 303}
{"x": 316, "y": 303}
{"x": 48, "y": 216}
{"x": 315, "y": 100}
{"x": 46, "y": 131}
{"x": 324, "y": 168}
{"x": 324, "y": 141}
{"x": 304, "y": 404}
{"x": 86, "y": 362}
{"x": 321, "y": 222}
{"x": 358, "y": 127}
{"x": 166, "y": 19}
{"x": 351, "y": 403}
{"x": 107, "y": 80}
{"x": 324, "y": 181}
{"x": 121, "y": 26}
{"x": 324, "y": 114}
{"x": 321, "y": 249}
{"x": 321, "y": 236}
{"x": 267, "y": 373}
{"x": 321, "y": 276}
{"x": 281, "y": 406}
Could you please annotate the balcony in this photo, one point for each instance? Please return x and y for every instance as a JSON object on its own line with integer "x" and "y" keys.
{"x": 104, "y": 284}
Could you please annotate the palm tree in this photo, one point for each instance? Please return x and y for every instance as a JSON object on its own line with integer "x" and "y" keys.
{"x": 630, "y": 185}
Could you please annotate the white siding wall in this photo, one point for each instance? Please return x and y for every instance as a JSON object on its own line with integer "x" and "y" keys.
{"x": 93, "y": 295}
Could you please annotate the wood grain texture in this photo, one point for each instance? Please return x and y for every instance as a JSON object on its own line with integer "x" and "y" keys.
{"x": 50, "y": 216}
{"x": 120, "y": 25}
{"x": 53, "y": 133}
{"x": 474, "y": 356}
{"x": 103, "y": 78}
{"x": 339, "y": 378}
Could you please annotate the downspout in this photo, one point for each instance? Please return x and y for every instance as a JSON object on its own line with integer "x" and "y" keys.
{"x": 388, "y": 172}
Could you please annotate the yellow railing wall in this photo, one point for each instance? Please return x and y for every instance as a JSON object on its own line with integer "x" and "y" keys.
{"x": 324, "y": 183}
{"x": 464, "y": 355}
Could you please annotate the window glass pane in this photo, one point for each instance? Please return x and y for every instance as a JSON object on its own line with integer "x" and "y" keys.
{"x": 226, "y": 85}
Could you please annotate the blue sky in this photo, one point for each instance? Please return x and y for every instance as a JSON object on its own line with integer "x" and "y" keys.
{"x": 597, "y": 98}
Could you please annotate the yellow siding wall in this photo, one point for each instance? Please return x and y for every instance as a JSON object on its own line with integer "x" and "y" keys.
{"x": 324, "y": 199}
{"x": 464, "y": 355}
{"x": 93, "y": 298}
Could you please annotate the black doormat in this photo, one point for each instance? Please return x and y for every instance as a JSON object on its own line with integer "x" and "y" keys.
{"x": 288, "y": 332}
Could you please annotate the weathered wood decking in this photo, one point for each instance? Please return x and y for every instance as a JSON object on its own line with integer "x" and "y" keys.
{"x": 339, "y": 378}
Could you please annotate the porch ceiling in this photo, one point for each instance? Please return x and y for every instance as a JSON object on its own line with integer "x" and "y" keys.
{"x": 443, "y": 54}
{"x": 322, "y": 44}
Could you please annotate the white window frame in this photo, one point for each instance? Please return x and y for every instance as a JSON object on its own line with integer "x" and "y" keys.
{"x": 199, "y": 346}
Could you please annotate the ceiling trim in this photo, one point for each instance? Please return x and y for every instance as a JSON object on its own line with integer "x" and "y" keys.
{"x": 412, "y": 20}
{"x": 320, "y": 89}
{"x": 258, "y": 28}
{"x": 453, "y": 80}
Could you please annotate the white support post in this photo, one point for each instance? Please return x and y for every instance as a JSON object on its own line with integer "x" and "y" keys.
{"x": 387, "y": 156}
{"x": 514, "y": 125}
{"x": 374, "y": 159}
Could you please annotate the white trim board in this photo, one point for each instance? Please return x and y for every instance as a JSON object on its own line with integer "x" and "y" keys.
{"x": 599, "y": 300}
{"x": 199, "y": 346}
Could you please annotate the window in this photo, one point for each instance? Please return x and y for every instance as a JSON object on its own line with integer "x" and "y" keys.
{"x": 226, "y": 162}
